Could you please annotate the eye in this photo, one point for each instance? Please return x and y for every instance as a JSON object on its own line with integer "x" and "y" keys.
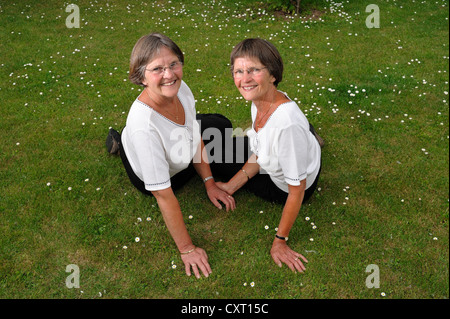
{"x": 156, "y": 70}
{"x": 239, "y": 72}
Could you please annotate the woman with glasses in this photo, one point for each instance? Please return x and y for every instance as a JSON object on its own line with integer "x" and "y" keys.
{"x": 286, "y": 153}
{"x": 161, "y": 145}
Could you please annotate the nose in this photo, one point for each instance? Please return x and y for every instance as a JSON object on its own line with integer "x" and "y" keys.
{"x": 167, "y": 69}
{"x": 246, "y": 77}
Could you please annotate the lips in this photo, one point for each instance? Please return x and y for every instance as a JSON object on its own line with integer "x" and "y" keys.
{"x": 248, "y": 88}
{"x": 169, "y": 83}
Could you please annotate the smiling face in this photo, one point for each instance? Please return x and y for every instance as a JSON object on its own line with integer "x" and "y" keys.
{"x": 166, "y": 85}
{"x": 253, "y": 87}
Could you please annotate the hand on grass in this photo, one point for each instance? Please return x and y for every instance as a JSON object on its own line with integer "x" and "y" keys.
{"x": 215, "y": 193}
{"x": 281, "y": 253}
{"x": 225, "y": 187}
{"x": 198, "y": 260}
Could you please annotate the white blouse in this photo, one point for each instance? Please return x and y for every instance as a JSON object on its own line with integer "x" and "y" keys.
{"x": 285, "y": 147}
{"x": 158, "y": 148}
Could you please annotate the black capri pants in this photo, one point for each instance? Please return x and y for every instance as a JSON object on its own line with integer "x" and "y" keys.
{"x": 227, "y": 166}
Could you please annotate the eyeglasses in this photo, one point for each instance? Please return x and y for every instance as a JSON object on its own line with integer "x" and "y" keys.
{"x": 174, "y": 67}
{"x": 252, "y": 71}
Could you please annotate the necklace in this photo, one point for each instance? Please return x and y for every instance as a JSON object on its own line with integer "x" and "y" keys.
{"x": 173, "y": 115}
{"x": 261, "y": 118}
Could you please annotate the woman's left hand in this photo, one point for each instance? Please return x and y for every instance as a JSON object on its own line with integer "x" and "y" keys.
{"x": 281, "y": 253}
{"x": 215, "y": 194}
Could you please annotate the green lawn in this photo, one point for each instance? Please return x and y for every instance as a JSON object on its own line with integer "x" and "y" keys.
{"x": 379, "y": 98}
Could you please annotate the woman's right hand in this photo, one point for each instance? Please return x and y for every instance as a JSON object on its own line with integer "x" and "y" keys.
{"x": 198, "y": 260}
{"x": 225, "y": 187}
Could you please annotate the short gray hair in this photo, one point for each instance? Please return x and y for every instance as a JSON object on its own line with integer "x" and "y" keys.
{"x": 144, "y": 51}
{"x": 263, "y": 50}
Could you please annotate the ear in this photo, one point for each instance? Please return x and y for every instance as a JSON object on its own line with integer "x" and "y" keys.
{"x": 272, "y": 79}
{"x": 145, "y": 82}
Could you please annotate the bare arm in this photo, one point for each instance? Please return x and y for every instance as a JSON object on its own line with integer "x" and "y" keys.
{"x": 291, "y": 208}
{"x": 280, "y": 251}
{"x": 214, "y": 193}
{"x": 173, "y": 218}
{"x": 250, "y": 169}
{"x": 171, "y": 211}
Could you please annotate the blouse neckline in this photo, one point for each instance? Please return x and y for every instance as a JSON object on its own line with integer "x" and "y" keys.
{"x": 253, "y": 124}
{"x": 164, "y": 117}
{"x": 261, "y": 128}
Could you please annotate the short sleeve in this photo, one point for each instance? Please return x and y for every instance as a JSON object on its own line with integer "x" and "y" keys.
{"x": 293, "y": 154}
{"x": 152, "y": 160}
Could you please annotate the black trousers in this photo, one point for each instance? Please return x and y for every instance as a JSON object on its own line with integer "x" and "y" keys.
{"x": 260, "y": 184}
{"x": 206, "y": 121}
{"x": 223, "y": 166}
